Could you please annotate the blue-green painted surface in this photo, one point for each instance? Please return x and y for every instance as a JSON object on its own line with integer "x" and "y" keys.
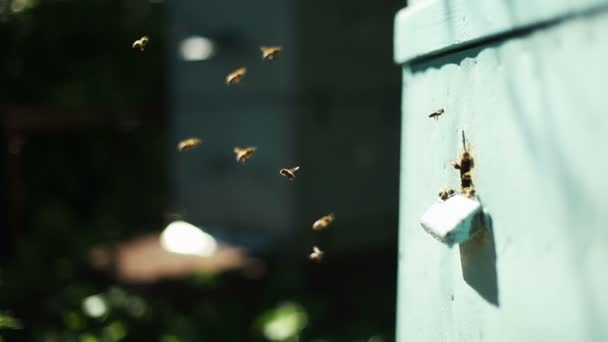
{"x": 431, "y": 26}
{"x": 533, "y": 106}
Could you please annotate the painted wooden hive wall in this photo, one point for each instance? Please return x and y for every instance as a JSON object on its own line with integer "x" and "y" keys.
{"x": 532, "y": 104}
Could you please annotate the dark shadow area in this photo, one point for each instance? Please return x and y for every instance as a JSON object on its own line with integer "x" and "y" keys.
{"x": 455, "y": 57}
{"x": 478, "y": 261}
{"x": 4, "y": 221}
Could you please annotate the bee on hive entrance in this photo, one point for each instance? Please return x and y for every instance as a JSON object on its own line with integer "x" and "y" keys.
{"x": 141, "y": 43}
{"x": 435, "y": 115}
{"x": 470, "y": 192}
{"x": 290, "y": 173}
{"x": 465, "y": 162}
{"x": 323, "y": 222}
{"x": 446, "y": 193}
{"x": 270, "y": 53}
{"x": 236, "y": 76}
{"x": 244, "y": 153}
{"x": 188, "y": 144}
{"x": 316, "y": 254}
{"x": 464, "y": 165}
{"x": 466, "y": 180}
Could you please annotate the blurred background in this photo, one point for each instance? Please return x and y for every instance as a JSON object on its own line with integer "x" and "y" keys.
{"x": 107, "y": 233}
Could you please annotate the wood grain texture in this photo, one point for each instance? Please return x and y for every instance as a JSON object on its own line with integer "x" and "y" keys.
{"x": 533, "y": 108}
{"x": 432, "y": 26}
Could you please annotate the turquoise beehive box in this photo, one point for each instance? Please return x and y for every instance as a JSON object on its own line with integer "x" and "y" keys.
{"x": 526, "y": 81}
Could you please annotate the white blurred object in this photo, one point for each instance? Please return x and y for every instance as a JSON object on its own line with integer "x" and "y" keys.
{"x": 184, "y": 238}
{"x": 181, "y": 249}
{"x": 454, "y": 220}
{"x": 94, "y": 306}
{"x": 197, "y": 48}
{"x": 285, "y": 322}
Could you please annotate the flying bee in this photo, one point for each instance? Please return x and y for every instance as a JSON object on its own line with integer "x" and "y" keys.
{"x": 446, "y": 193}
{"x": 141, "y": 43}
{"x": 188, "y": 144}
{"x": 323, "y": 222}
{"x": 470, "y": 192}
{"x": 316, "y": 254}
{"x": 290, "y": 173}
{"x": 435, "y": 115}
{"x": 236, "y": 76}
{"x": 244, "y": 153}
{"x": 270, "y": 53}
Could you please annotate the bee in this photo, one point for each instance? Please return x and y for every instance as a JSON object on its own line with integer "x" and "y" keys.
{"x": 236, "y": 76}
{"x": 446, "y": 193}
{"x": 470, "y": 192}
{"x": 323, "y": 222}
{"x": 466, "y": 180}
{"x": 141, "y": 43}
{"x": 270, "y": 53}
{"x": 464, "y": 165}
{"x": 436, "y": 113}
{"x": 244, "y": 153}
{"x": 188, "y": 144}
{"x": 465, "y": 162}
{"x": 316, "y": 254}
{"x": 289, "y": 173}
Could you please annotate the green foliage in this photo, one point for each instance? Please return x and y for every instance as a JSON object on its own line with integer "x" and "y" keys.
{"x": 284, "y": 322}
{"x": 9, "y": 322}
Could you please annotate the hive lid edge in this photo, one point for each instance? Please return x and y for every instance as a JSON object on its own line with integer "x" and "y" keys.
{"x": 432, "y": 26}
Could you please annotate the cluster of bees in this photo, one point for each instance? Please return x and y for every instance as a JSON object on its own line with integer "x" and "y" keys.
{"x": 464, "y": 164}
{"x": 242, "y": 154}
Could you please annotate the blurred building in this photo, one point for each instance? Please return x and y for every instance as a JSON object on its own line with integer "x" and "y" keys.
{"x": 328, "y": 104}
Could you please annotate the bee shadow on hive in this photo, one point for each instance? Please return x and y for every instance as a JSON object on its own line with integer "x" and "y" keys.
{"x": 478, "y": 261}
